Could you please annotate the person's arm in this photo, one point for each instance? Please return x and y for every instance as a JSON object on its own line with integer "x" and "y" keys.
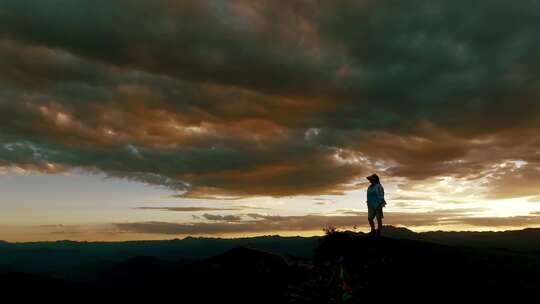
{"x": 380, "y": 193}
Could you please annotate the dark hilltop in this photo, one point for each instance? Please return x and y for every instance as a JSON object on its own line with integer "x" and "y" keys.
{"x": 340, "y": 267}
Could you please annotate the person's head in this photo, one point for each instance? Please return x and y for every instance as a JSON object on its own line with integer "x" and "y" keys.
{"x": 374, "y": 179}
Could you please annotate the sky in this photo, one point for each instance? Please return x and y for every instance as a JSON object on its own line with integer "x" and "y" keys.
{"x": 127, "y": 119}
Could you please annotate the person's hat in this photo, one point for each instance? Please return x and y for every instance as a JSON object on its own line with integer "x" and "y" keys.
{"x": 373, "y": 177}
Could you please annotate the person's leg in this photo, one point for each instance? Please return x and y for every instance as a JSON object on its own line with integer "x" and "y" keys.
{"x": 371, "y": 224}
{"x": 379, "y": 221}
{"x": 371, "y": 216}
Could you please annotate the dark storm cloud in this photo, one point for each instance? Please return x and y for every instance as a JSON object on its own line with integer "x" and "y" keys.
{"x": 238, "y": 43}
{"x": 244, "y": 98}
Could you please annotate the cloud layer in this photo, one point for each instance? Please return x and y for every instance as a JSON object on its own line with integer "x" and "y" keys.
{"x": 246, "y": 98}
{"x": 260, "y": 223}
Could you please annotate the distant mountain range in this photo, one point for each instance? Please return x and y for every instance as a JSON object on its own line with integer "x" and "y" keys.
{"x": 80, "y": 261}
{"x": 341, "y": 266}
{"x": 515, "y": 240}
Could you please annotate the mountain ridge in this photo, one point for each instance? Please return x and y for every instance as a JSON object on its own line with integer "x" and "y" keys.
{"x": 366, "y": 265}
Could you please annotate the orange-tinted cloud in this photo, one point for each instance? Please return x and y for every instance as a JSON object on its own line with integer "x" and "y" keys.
{"x": 247, "y": 98}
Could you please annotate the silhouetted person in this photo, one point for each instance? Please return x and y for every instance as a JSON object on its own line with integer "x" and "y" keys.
{"x": 375, "y": 203}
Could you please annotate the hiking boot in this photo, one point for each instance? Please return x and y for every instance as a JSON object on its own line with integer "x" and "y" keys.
{"x": 373, "y": 233}
{"x": 379, "y": 232}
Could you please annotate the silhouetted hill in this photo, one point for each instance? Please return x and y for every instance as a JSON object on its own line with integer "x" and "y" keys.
{"x": 399, "y": 264}
{"x": 370, "y": 267}
{"x": 81, "y": 261}
{"x": 29, "y": 288}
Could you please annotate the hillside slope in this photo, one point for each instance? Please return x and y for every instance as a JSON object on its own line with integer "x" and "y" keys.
{"x": 347, "y": 267}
